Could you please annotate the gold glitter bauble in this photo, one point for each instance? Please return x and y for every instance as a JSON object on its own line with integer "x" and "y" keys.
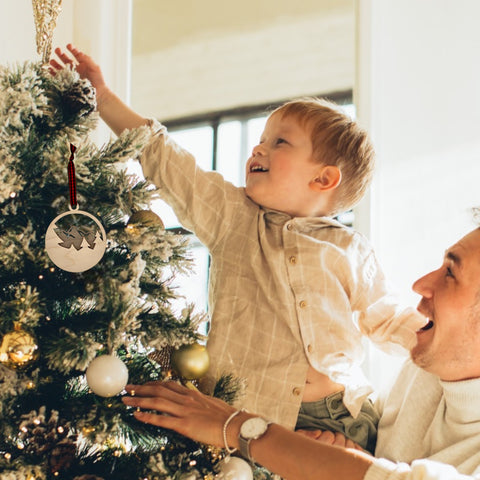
{"x": 190, "y": 362}
{"x": 19, "y": 349}
{"x": 144, "y": 218}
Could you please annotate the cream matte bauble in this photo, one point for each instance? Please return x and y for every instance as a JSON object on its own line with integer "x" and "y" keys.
{"x": 235, "y": 468}
{"x": 107, "y": 375}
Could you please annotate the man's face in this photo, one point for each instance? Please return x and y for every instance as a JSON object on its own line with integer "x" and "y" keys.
{"x": 449, "y": 345}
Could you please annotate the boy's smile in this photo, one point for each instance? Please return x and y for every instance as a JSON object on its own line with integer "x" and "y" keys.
{"x": 256, "y": 167}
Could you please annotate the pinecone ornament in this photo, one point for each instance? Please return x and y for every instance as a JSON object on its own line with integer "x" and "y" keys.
{"x": 79, "y": 100}
{"x": 49, "y": 438}
{"x": 62, "y": 456}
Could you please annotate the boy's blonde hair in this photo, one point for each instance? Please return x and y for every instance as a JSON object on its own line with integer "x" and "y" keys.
{"x": 336, "y": 140}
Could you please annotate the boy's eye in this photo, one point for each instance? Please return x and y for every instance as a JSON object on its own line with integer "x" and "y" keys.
{"x": 281, "y": 140}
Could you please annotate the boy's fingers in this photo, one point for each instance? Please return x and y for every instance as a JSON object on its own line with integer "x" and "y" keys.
{"x": 74, "y": 51}
{"x": 63, "y": 57}
{"x": 55, "y": 64}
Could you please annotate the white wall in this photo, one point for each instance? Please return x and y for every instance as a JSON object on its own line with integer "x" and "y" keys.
{"x": 208, "y": 58}
{"x": 419, "y": 96}
{"x": 17, "y": 30}
{"x": 418, "y": 93}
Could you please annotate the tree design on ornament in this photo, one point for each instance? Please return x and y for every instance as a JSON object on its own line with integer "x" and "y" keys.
{"x": 84, "y": 233}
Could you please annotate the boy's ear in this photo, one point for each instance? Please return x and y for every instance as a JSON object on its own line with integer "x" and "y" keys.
{"x": 327, "y": 178}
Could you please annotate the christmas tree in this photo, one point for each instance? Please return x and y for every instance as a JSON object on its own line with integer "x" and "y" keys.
{"x": 86, "y": 290}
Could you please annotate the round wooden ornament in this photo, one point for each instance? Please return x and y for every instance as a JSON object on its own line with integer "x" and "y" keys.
{"x": 75, "y": 241}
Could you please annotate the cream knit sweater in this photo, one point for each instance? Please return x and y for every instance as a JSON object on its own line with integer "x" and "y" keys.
{"x": 429, "y": 429}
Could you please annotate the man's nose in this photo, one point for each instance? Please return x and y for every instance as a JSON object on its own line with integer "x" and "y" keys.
{"x": 424, "y": 286}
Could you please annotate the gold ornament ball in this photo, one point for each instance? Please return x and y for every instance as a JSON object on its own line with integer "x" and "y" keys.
{"x": 19, "y": 349}
{"x": 144, "y": 218}
{"x": 190, "y": 362}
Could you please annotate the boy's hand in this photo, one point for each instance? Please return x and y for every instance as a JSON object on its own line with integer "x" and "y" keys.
{"x": 116, "y": 114}
{"x": 82, "y": 63}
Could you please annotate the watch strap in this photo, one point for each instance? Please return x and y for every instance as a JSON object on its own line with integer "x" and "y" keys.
{"x": 244, "y": 447}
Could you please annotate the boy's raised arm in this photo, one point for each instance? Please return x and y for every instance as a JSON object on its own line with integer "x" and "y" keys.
{"x": 116, "y": 114}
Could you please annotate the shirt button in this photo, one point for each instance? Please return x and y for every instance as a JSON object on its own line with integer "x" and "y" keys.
{"x": 302, "y": 304}
{"x": 297, "y": 391}
{"x": 293, "y": 260}
{"x": 310, "y": 348}
{"x": 289, "y": 226}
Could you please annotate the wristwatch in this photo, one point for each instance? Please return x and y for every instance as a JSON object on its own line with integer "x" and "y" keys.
{"x": 251, "y": 429}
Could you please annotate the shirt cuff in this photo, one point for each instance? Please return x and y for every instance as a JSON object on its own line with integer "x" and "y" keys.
{"x": 422, "y": 469}
{"x": 382, "y": 469}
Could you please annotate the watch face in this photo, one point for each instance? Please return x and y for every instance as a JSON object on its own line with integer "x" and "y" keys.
{"x": 253, "y": 427}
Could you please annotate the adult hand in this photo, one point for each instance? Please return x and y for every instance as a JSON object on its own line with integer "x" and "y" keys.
{"x": 281, "y": 451}
{"x": 330, "y": 438}
{"x": 188, "y": 412}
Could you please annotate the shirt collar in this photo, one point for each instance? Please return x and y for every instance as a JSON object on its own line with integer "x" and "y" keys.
{"x": 303, "y": 223}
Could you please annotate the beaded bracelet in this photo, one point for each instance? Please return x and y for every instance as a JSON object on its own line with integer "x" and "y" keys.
{"x": 225, "y": 425}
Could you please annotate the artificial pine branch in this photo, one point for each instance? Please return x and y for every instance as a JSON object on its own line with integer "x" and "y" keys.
{"x": 53, "y": 425}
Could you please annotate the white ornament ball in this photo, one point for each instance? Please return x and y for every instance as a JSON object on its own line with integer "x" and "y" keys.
{"x": 235, "y": 468}
{"x": 107, "y": 375}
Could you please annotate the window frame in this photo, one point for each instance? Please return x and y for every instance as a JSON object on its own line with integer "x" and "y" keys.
{"x": 242, "y": 114}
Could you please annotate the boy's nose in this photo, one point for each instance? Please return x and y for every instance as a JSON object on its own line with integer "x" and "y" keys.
{"x": 257, "y": 150}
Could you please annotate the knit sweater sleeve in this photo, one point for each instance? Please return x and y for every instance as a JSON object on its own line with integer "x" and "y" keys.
{"x": 429, "y": 430}
{"x": 423, "y": 469}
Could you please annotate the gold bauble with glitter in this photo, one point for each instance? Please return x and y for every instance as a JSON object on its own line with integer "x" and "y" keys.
{"x": 144, "y": 218}
{"x": 190, "y": 362}
{"x": 19, "y": 349}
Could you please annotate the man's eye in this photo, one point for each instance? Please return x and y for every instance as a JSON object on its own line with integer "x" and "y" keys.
{"x": 449, "y": 273}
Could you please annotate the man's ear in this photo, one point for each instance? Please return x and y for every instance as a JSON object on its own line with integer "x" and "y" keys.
{"x": 327, "y": 178}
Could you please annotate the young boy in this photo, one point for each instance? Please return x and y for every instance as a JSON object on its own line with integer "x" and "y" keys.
{"x": 285, "y": 277}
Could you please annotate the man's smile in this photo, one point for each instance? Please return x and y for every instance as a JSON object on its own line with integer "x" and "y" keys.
{"x": 428, "y": 326}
